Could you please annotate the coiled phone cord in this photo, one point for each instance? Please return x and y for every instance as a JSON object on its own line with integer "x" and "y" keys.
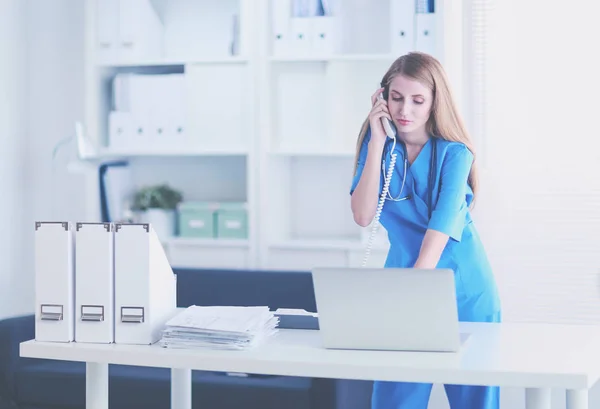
{"x": 384, "y": 192}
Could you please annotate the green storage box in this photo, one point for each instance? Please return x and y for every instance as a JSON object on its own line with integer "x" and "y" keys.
{"x": 232, "y": 221}
{"x": 197, "y": 219}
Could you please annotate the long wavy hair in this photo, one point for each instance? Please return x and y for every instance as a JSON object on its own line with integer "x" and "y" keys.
{"x": 445, "y": 121}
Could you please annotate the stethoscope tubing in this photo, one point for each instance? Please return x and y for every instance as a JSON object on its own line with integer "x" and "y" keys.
{"x": 431, "y": 176}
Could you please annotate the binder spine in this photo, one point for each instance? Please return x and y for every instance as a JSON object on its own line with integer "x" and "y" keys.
{"x": 54, "y": 281}
{"x": 94, "y": 290}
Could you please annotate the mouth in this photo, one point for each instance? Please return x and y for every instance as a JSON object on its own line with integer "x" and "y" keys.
{"x": 404, "y": 122}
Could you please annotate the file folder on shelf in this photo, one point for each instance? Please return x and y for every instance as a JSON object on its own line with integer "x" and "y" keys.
{"x": 301, "y": 35}
{"x": 145, "y": 285}
{"x": 54, "y": 282}
{"x": 403, "y": 26}
{"x": 281, "y": 30}
{"x": 94, "y": 283}
{"x": 426, "y": 33}
{"x": 323, "y": 36}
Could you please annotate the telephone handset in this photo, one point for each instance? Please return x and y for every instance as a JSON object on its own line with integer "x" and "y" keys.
{"x": 389, "y": 130}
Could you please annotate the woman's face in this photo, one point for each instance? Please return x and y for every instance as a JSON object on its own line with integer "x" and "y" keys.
{"x": 409, "y": 103}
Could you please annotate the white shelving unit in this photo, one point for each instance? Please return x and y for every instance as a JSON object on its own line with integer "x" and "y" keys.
{"x": 267, "y": 122}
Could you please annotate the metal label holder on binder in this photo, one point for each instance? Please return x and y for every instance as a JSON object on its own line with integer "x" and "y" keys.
{"x": 132, "y": 314}
{"x": 51, "y": 312}
{"x": 92, "y": 313}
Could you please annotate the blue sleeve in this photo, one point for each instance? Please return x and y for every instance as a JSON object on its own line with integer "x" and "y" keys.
{"x": 362, "y": 158}
{"x": 452, "y": 205}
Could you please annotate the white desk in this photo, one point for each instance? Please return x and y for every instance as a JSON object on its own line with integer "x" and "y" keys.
{"x": 537, "y": 357}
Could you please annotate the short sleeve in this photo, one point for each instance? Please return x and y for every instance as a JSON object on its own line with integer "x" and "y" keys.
{"x": 362, "y": 158}
{"x": 451, "y": 209}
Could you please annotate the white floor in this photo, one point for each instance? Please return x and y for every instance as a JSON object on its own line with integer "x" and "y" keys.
{"x": 513, "y": 398}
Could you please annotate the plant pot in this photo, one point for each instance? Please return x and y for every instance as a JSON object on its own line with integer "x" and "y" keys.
{"x": 162, "y": 221}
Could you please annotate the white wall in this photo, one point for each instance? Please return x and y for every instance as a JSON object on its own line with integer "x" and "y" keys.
{"x": 539, "y": 212}
{"x": 42, "y": 43}
{"x": 12, "y": 136}
{"x": 542, "y": 208}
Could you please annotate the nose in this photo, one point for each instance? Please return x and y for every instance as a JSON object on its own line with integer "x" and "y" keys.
{"x": 403, "y": 108}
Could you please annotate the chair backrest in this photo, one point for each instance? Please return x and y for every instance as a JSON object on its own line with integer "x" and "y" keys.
{"x": 275, "y": 289}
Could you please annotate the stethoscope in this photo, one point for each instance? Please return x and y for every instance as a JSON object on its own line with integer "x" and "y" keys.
{"x": 430, "y": 179}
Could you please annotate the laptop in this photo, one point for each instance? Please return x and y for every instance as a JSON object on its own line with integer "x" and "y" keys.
{"x": 394, "y": 309}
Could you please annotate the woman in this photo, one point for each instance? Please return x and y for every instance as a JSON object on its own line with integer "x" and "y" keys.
{"x": 427, "y": 209}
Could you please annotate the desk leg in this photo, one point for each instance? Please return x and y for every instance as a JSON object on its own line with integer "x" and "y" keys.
{"x": 577, "y": 399}
{"x": 181, "y": 388}
{"x": 96, "y": 386}
{"x": 538, "y": 398}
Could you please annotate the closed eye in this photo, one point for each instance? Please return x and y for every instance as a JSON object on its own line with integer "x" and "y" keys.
{"x": 416, "y": 101}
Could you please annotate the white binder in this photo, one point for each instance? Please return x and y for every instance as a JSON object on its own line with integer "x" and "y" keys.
{"x": 54, "y": 282}
{"x": 122, "y": 132}
{"x": 145, "y": 287}
{"x": 94, "y": 283}
{"x": 323, "y": 35}
{"x": 107, "y": 29}
{"x": 301, "y": 35}
{"x": 141, "y": 32}
{"x": 402, "y": 23}
{"x": 281, "y": 11}
{"x": 426, "y": 33}
{"x": 128, "y": 30}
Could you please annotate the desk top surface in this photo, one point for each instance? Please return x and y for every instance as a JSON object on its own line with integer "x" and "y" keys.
{"x": 508, "y": 354}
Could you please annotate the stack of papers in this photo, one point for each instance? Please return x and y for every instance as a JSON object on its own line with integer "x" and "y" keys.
{"x": 235, "y": 328}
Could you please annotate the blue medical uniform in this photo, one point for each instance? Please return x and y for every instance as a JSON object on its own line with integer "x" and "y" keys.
{"x": 406, "y": 223}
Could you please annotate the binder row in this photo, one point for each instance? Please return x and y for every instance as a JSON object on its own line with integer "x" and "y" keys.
{"x": 148, "y": 111}
{"x": 412, "y": 27}
{"x": 128, "y": 30}
{"x": 101, "y": 283}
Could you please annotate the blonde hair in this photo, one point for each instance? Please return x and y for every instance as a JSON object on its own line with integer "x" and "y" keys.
{"x": 444, "y": 121}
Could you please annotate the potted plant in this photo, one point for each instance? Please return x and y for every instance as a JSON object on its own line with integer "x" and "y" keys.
{"x": 157, "y": 206}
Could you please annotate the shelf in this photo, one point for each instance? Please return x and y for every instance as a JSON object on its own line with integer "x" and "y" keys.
{"x": 309, "y": 198}
{"x": 159, "y": 32}
{"x": 212, "y": 100}
{"x": 308, "y": 254}
{"x": 324, "y": 244}
{"x": 113, "y": 154}
{"x": 188, "y": 241}
{"x": 333, "y": 57}
{"x": 162, "y": 63}
{"x": 313, "y": 152}
{"x": 208, "y": 253}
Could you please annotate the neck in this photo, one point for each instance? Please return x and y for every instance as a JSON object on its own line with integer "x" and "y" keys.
{"x": 414, "y": 139}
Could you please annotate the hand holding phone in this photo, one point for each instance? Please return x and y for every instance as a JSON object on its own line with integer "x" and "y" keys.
{"x": 379, "y": 118}
{"x": 381, "y": 128}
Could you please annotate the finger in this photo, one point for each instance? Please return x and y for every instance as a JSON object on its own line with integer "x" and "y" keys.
{"x": 374, "y": 98}
{"x": 380, "y": 106}
{"x": 381, "y": 114}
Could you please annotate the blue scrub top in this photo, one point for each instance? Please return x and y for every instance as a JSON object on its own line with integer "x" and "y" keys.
{"x": 407, "y": 221}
